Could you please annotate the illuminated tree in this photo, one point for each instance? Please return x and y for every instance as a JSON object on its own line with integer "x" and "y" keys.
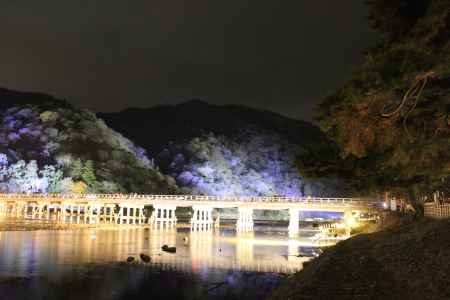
{"x": 391, "y": 121}
{"x": 52, "y": 177}
{"x": 76, "y": 169}
{"x": 79, "y": 187}
{"x": 254, "y": 164}
{"x": 88, "y": 174}
{"x": 3, "y": 166}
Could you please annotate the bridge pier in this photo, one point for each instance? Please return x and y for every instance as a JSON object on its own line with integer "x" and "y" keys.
{"x": 137, "y": 216}
{"x": 34, "y": 210}
{"x": 87, "y": 210}
{"x": 15, "y": 210}
{"x": 245, "y": 220}
{"x": 37, "y": 211}
{"x": 122, "y": 216}
{"x": 106, "y": 213}
{"x": 75, "y": 215}
{"x": 202, "y": 218}
{"x": 292, "y": 253}
{"x": 94, "y": 213}
{"x": 163, "y": 216}
{"x": 72, "y": 214}
{"x": 294, "y": 221}
{"x": 63, "y": 212}
{"x": 47, "y": 211}
{"x": 80, "y": 214}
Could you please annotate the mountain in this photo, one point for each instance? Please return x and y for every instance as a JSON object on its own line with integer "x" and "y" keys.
{"x": 47, "y": 145}
{"x": 190, "y": 119}
{"x": 225, "y": 150}
{"x": 9, "y": 98}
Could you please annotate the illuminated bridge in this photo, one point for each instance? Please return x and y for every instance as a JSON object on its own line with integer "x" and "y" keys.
{"x": 133, "y": 209}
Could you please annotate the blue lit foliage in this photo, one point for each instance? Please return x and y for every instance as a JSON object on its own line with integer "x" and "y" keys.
{"x": 48, "y": 150}
{"x": 26, "y": 177}
{"x": 254, "y": 164}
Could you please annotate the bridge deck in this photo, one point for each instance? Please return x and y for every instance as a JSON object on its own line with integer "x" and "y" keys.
{"x": 269, "y": 203}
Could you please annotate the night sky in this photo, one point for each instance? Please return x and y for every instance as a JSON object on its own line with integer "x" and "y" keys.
{"x": 106, "y": 55}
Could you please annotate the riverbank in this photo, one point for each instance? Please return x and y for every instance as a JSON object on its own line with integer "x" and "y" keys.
{"x": 406, "y": 261}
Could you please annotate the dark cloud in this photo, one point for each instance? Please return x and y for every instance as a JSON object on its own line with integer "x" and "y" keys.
{"x": 106, "y": 55}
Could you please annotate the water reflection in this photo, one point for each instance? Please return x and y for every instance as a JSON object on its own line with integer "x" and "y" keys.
{"x": 25, "y": 253}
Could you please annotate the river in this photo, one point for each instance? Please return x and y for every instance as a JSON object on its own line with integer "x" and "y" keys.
{"x": 42, "y": 264}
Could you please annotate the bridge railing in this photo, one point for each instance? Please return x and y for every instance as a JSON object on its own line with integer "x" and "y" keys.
{"x": 273, "y": 199}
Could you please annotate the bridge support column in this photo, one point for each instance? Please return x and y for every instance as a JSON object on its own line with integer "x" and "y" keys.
{"x": 112, "y": 213}
{"x": 131, "y": 214}
{"x": 128, "y": 219}
{"x": 87, "y": 214}
{"x": 121, "y": 218}
{"x": 294, "y": 220}
{"x": 202, "y": 218}
{"x": 73, "y": 214}
{"x": 16, "y": 210}
{"x": 163, "y": 216}
{"x": 293, "y": 252}
{"x": 134, "y": 214}
{"x": 48, "y": 212}
{"x": 106, "y": 213}
{"x": 33, "y": 214}
{"x": 83, "y": 213}
{"x": 38, "y": 211}
{"x": 245, "y": 220}
{"x": 2, "y": 209}
{"x": 94, "y": 216}
{"x": 62, "y": 216}
{"x": 78, "y": 214}
{"x": 138, "y": 214}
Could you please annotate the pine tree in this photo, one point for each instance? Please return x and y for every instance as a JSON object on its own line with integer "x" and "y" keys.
{"x": 76, "y": 169}
{"x": 88, "y": 174}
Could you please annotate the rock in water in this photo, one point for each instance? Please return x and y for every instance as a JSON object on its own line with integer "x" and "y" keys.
{"x": 145, "y": 258}
{"x": 169, "y": 249}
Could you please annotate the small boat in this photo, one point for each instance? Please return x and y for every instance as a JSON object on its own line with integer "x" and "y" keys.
{"x": 169, "y": 249}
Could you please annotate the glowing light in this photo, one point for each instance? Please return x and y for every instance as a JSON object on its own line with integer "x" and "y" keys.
{"x": 351, "y": 222}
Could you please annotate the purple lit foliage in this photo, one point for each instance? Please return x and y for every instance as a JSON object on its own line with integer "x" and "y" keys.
{"x": 254, "y": 164}
{"x": 26, "y": 177}
{"x": 43, "y": 146}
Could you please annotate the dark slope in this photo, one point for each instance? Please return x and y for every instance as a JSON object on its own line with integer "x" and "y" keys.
{"x": 10, "y": 98}
{"x": 409, "y": 261}
{"x": 168, "y": 123}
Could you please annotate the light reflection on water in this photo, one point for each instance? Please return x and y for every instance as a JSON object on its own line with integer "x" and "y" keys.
{"x": 50, "y": 253}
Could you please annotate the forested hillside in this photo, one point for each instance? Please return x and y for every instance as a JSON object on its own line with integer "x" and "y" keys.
{"x": 46, "y": 145}
{"x": 226, "y": 150}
